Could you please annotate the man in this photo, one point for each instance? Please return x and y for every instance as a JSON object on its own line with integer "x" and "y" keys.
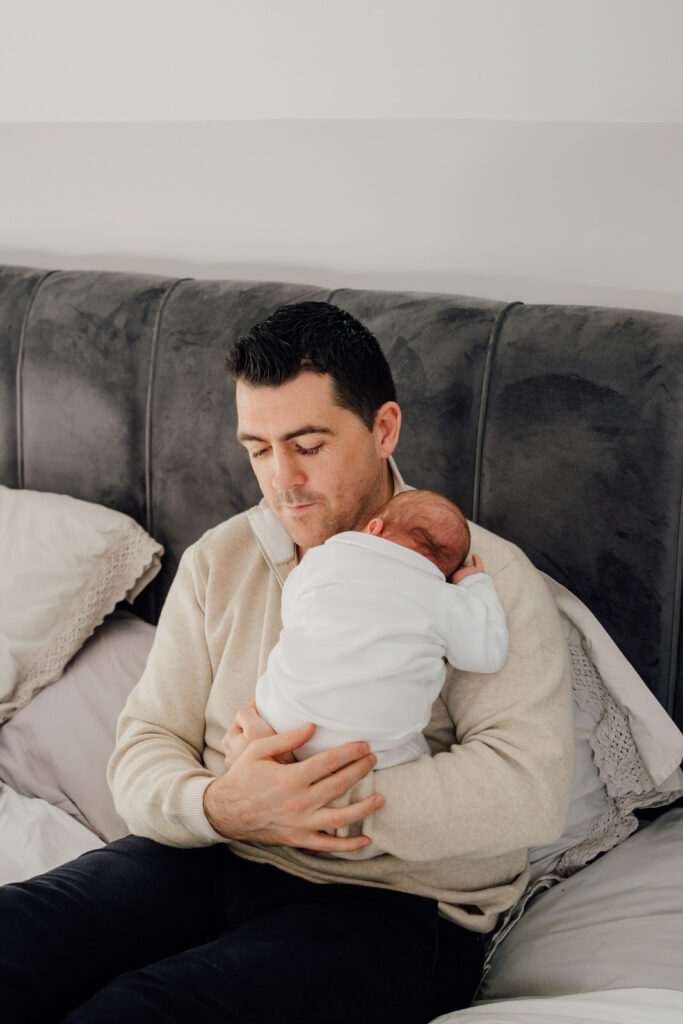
{"x": 251, "y": 890}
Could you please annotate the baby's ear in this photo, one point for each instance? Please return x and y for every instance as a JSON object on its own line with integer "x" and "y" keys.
{"x": 375, "y": 527}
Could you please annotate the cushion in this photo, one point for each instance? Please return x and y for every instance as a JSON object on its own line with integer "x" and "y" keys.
{"x": 617, "y": 923}
{"x": 615, "y": 771}
{"x": 64, "y": 565}
{"x": 57, "y": 747}
{"x": 589, "y": 798}
{"x": 37, "y": 837}
{"x": 623, "y": 1006}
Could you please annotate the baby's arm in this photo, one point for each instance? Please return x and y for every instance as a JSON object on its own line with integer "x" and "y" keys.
{"x": 478, "y": 636}
{"x": 468, "y": 569}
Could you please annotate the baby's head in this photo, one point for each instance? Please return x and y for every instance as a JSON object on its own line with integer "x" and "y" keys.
{"x": 427, "y": 523}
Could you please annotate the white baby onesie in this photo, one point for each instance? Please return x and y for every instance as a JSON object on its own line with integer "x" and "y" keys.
{"x": 367, "y": 624}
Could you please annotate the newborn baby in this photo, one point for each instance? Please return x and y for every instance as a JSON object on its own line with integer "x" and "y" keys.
{"x": 368, "y": 619}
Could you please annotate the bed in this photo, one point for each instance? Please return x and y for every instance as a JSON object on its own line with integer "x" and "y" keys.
{"x": 558, "y": 427}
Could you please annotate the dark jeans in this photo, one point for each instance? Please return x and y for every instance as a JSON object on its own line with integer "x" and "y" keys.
{"x": 139, "y": 932}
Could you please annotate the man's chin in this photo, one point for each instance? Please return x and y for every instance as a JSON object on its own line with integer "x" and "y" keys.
{"x": 305, "y": 539}
{"x": 306, "y": 527}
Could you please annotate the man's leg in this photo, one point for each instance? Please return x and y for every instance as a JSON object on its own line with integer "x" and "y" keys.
{"x": 459, "y": 965}
{"x": 304, "y": 954}
{"x": 70, "y": 931}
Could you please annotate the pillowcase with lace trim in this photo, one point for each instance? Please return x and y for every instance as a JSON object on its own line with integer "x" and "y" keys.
{"x": 58, "y": 746}
{"x": 64, "y": 565}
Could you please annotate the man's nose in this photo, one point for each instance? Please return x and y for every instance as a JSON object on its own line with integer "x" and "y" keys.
{"x": 288, "y": 472}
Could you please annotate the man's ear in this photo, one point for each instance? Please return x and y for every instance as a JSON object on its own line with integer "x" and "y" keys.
{"x": 375, "y": 527}
{"x": 387, "y": 427}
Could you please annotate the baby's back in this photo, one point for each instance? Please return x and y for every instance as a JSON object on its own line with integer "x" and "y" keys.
{"x": 362, "y": 636}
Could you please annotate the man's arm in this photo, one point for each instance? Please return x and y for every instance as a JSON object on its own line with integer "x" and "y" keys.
{"x": 157, "y": 775}
{"x": 156, "y": 772}
{"x": 506, "y": 784}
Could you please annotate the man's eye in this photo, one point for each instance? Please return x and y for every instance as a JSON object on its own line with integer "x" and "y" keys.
{"x": 258, "y": 453}
{"x": 310, "y": 451}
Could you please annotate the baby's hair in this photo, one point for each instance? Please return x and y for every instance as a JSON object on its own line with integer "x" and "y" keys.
{"x": 437, "y": 527}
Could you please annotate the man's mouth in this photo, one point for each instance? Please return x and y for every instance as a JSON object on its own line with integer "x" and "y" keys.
{"x": 298, "y": 509}
{"x": 295, "y": 504}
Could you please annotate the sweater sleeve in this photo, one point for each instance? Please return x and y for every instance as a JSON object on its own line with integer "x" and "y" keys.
{"x": 506, "y": 783}
{"x": 477, "y": 636}
{"x": 156, "y": 772}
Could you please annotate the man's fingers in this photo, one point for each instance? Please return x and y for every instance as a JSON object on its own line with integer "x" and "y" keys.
{"x": 327, "y": 762}
{"x": 240, "y": 718}
{"x": 320, "y": 842}
{"x": 229, "y": 736}
{"x": 250, "y": 722}
{"x": 279, "y": 743}
{"x": 335, "y": 785}
{"x": 338, "y": 817}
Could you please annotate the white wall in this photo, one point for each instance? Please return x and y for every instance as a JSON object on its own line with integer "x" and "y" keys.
{"x": 525, "y": 149}
{"x": 174, "y": 60}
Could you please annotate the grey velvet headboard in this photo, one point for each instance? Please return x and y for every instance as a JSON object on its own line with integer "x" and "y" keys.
{"x": 559, "y": 427}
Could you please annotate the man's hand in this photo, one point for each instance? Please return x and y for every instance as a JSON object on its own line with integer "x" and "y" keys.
{"x": 260, "y": 800}
{"x": 247, "y": 726}
{"x": 468, "y": 569}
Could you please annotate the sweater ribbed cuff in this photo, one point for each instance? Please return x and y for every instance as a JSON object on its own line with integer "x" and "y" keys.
{"x": 188, "y": 811}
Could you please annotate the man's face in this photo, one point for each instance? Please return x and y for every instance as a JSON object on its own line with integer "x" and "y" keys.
{"x": 320, "y": 469}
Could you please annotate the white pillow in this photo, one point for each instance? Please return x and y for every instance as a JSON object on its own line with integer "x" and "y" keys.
{"x": 64, "y": 565}
{"x": 37, "y": 837}
{"x": 617, "y": 923}
{"x": 589, "y": 798}
{"x": 58, "y": 746}
{"x": 622, "y": 1006}
{"x": 611, "y": 775}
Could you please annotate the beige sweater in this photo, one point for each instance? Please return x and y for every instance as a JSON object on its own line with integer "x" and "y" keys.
{"x": 455, "y": 827}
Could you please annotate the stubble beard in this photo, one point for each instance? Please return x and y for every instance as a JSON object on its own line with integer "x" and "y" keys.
{"x": 333, "y": 521}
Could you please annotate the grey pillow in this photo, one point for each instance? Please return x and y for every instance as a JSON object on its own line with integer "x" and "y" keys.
{"x": 57, "y": 747}
{"x": 616, "y": 924}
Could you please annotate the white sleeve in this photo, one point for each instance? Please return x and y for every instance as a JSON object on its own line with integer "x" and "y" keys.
{"x": 477, "y": 636}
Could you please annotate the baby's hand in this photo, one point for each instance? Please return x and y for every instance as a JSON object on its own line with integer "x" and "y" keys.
{"x": 468, "y": 569}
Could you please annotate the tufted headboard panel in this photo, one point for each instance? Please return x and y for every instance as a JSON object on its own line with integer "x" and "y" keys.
{"x": 558, "y": 427}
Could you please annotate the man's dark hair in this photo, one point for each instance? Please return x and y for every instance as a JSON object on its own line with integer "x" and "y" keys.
{"x": 320, "y": 337}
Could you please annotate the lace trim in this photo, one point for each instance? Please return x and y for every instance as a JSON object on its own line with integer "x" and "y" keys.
{"x": 620, "y": 765}
{"x": 133, "y": 554}
{"x": 627, "y": 782}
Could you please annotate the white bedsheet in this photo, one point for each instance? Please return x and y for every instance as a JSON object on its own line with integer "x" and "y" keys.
{"x": 35, "y": 836}
{"x": 620, "y": 1006}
